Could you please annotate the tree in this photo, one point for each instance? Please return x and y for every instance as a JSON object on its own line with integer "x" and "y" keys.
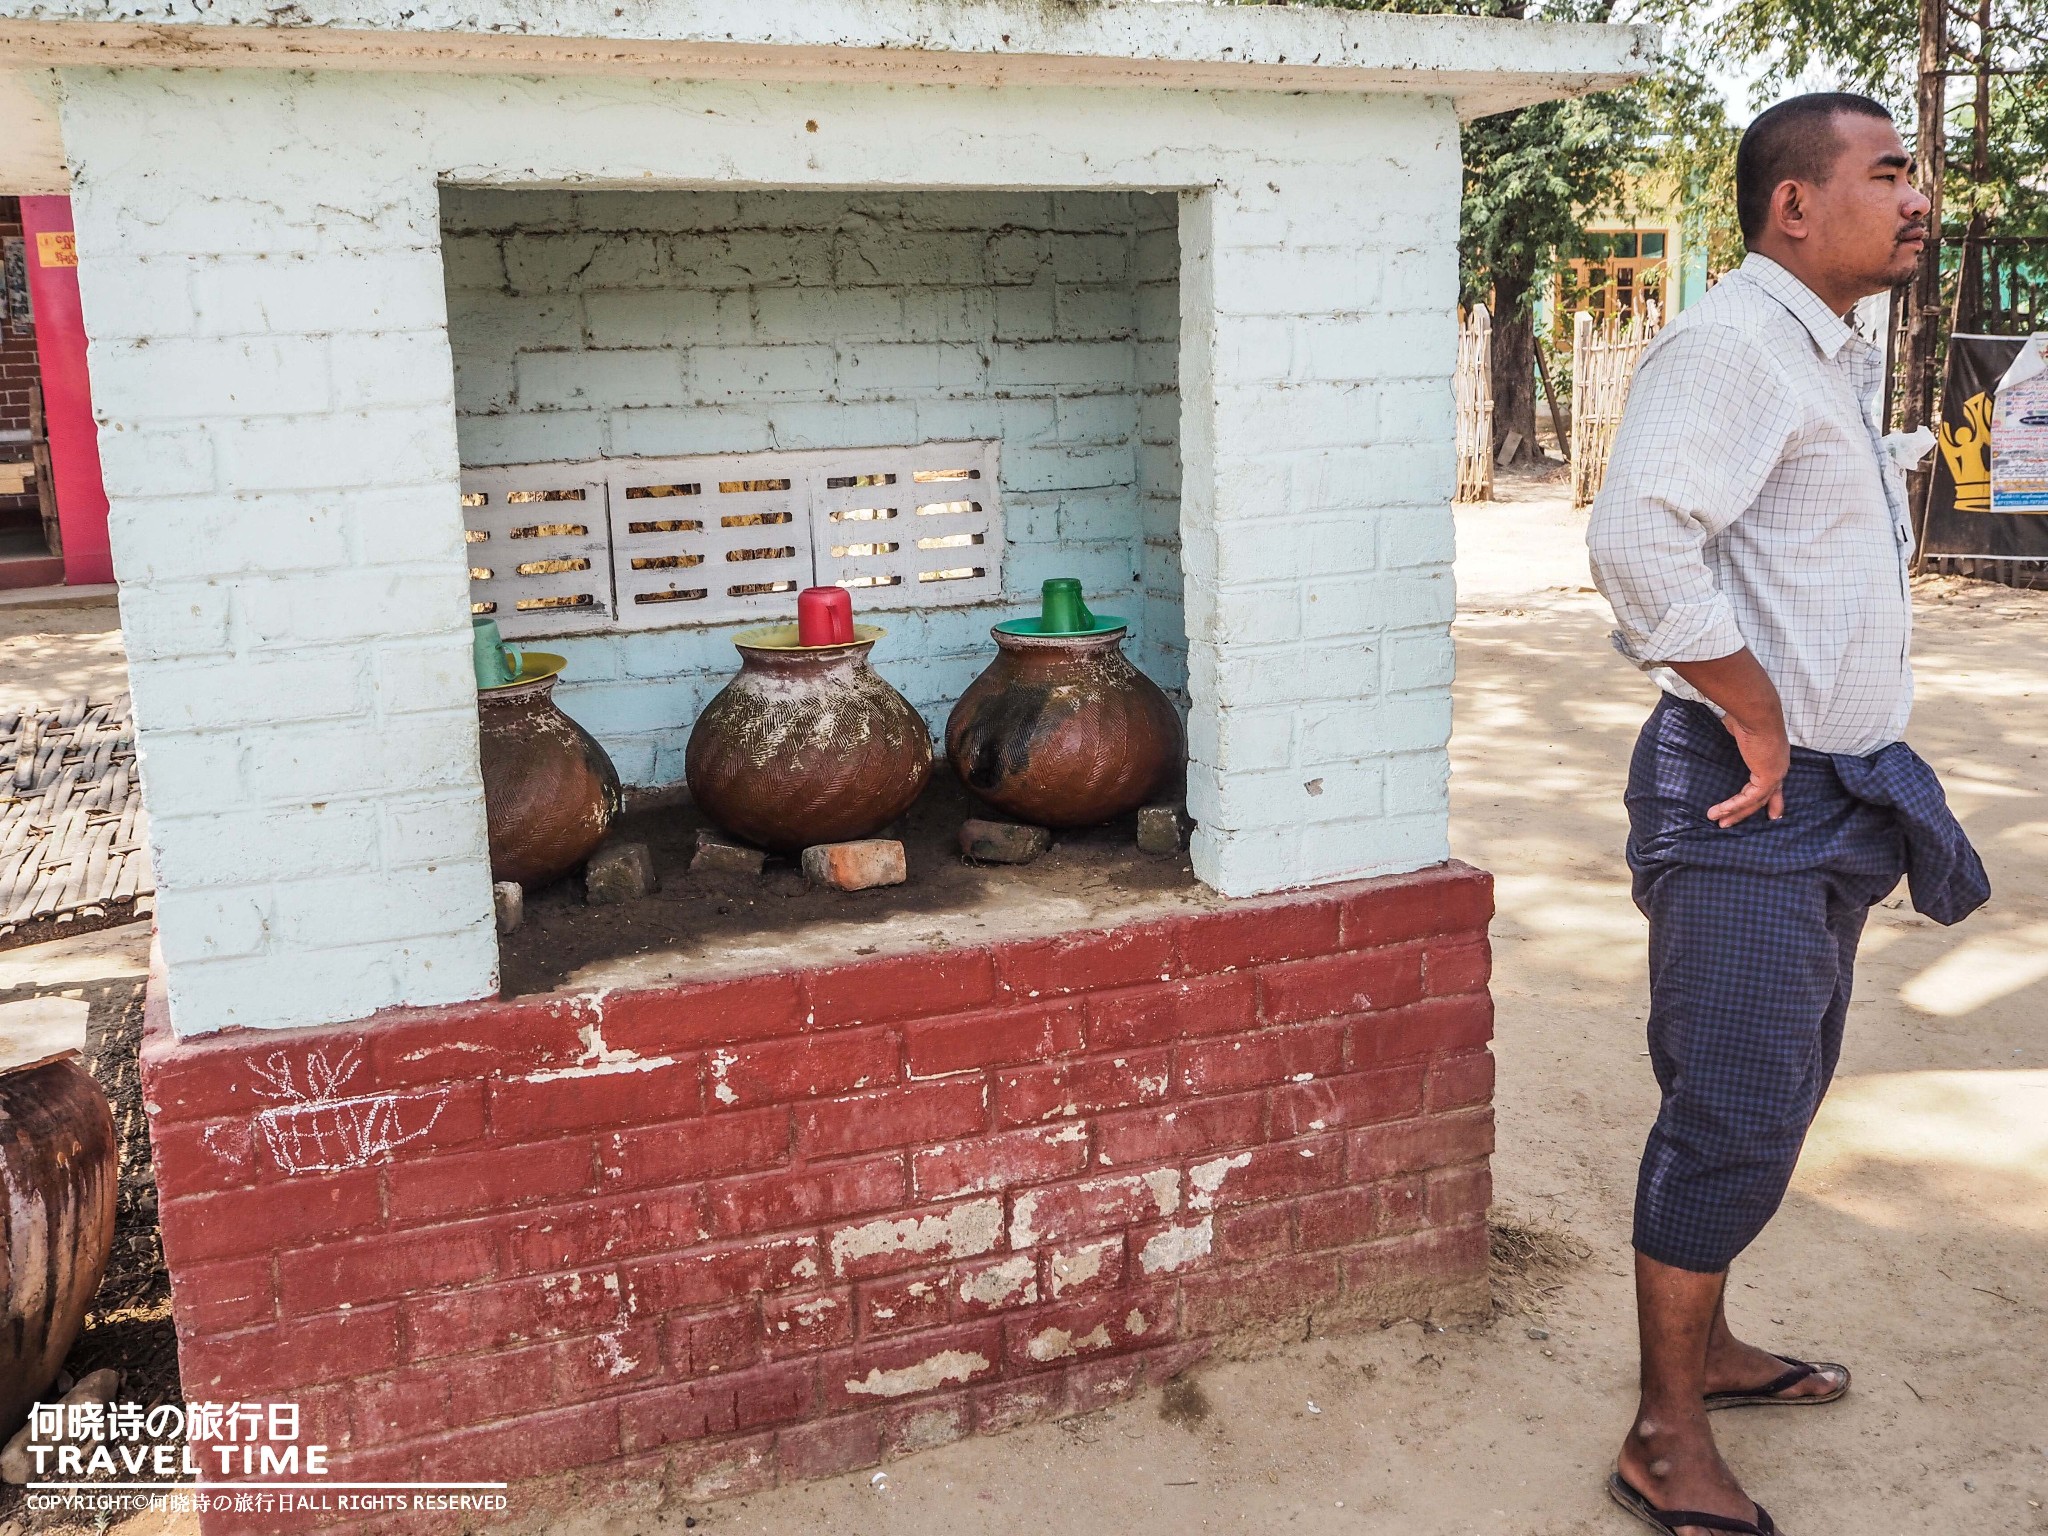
{"x": 1971, "y": 75}
{"x": 1531, "y": 177}
{"x": 1696, "y": 151}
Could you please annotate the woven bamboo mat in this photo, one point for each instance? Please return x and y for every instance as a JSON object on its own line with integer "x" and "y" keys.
{"x": 72, "y": 854}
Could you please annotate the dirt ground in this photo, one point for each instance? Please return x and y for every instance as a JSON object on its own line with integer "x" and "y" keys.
{"x": 706, "y": 926}
{"x": 1914, "y": 1245}
{"x": 52, "y": 653}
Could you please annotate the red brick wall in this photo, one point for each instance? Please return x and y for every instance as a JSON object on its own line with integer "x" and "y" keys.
{"x": 704, "y": 1238}
{"x": 17, "y": 356}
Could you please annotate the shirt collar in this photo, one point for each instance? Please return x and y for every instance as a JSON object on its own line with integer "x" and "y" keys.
{"x": 1828, "y": 330}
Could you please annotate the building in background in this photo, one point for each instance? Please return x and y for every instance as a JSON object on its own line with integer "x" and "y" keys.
{"x": 1630, "y": 260}
{"x": 53, "y": 509}
{"x": 25, "y": 558}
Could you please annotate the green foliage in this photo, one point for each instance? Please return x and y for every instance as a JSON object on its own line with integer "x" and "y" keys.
{"x": 1534, "y": 176}
{"x": 1865, "y": 45}
{"x": 1873, "y": 46}
{"x": 2014, "y": 193}
{"x": 1696, "y": 153}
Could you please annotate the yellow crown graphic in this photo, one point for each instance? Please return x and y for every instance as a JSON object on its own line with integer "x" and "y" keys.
{"x": 1968, "y": 451}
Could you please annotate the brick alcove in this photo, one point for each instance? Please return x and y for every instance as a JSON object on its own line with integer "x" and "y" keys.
{"x": 692, "y": 1241}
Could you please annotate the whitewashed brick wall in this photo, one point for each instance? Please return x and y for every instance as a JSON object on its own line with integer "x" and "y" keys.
{"x": 659, "y": 323}
{"x": 271, "y": 376}
{"x": 1161, "y": 646}
{"x": 263, "y": 288}
{"x": 1316, "y": 375}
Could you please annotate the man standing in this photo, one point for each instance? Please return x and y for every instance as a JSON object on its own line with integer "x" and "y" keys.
{"x": 1753, "y": 539}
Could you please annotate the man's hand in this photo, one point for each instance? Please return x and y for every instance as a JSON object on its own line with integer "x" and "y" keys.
{"x": 1769, "y": 757}
{"x": 1756, "y": 719}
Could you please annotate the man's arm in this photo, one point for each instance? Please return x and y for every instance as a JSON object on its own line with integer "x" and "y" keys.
{"x": 1706, "y": 421}
{"x": 1750, "y": 708}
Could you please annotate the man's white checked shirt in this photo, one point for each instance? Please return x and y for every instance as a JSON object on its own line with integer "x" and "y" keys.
{"x": 1750, "y": 502}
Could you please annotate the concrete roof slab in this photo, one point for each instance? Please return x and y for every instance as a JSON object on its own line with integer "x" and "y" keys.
{"x": 1486, "y": 66}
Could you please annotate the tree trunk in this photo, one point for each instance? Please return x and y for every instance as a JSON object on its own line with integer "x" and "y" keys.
{"x": 1923, "y": 310}
{"x": 1968, "y": 313}
{"x": 1514, "y": 364}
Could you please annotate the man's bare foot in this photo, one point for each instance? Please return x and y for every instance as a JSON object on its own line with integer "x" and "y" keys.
{"x": 1670, "y": 1458}
{"x": 1733, "y": 1366}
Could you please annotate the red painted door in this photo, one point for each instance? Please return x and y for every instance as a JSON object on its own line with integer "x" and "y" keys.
{"x": 67, "y": 393}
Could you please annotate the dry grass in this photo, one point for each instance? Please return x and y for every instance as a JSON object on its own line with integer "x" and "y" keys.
{"x": 1183, "y": 1402}
{"x": 1527, "y": 1264}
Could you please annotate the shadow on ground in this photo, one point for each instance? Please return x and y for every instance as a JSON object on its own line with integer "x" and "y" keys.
{"x": 1914, "y": 1245}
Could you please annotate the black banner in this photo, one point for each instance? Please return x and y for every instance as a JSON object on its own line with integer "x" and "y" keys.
{"x": 1959, "y": 516}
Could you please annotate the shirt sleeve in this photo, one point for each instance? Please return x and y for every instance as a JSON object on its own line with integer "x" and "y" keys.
{"x": 1708, "y": 418}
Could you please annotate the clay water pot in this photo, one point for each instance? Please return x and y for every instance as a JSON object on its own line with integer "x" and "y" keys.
{"x": 550, "y": 791}
{"x": 59, "y": 1176}
{"x": 1061, "y": 730}
{"x": 807, "y": 745}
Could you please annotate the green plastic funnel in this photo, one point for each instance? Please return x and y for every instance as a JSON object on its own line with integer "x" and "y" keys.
{"x": 1062, "y": 612}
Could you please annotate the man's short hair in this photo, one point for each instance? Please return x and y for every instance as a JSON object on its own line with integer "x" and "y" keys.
{"x": 1793, "y": 141}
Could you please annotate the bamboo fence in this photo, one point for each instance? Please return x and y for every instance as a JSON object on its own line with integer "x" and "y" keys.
{"x": 1604, "y": 358}
{"x": 1474, "y": 393}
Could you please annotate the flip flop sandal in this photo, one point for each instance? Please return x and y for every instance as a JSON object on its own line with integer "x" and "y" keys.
{"x": 1672, "y": 1521}
{"x": 1768, "y": 1395}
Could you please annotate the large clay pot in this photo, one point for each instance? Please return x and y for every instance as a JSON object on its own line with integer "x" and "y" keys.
{"x": 807, "y": 745}
{"x": 59, "y": 1176}
{"x": 1062, "y": 731}
{"x": 550, "y": 792}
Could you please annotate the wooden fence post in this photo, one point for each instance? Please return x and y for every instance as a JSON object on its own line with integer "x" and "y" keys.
{"x": 1604, "y": 359}
{"x": 1473, "y": 388}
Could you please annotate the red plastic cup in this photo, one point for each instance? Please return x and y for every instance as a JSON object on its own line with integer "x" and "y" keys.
{"x": 824, "y": 616}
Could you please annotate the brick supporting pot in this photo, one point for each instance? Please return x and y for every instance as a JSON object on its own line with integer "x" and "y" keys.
{"x": 691, "y": 1241}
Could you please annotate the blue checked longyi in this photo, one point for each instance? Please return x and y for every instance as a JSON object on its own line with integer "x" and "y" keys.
{"x": 1753, "y": 933}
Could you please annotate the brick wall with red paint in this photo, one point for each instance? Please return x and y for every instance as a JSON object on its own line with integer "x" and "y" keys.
{"x": 691, "y": 1241}
{"x": 17, "y": 374}
{"x": 17, "y": 354}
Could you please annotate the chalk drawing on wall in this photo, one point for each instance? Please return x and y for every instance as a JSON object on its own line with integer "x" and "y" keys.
{"x": 312, "y": 1127}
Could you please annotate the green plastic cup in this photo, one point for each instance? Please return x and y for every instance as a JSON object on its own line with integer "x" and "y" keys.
{"x": 1061, "y": 611}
